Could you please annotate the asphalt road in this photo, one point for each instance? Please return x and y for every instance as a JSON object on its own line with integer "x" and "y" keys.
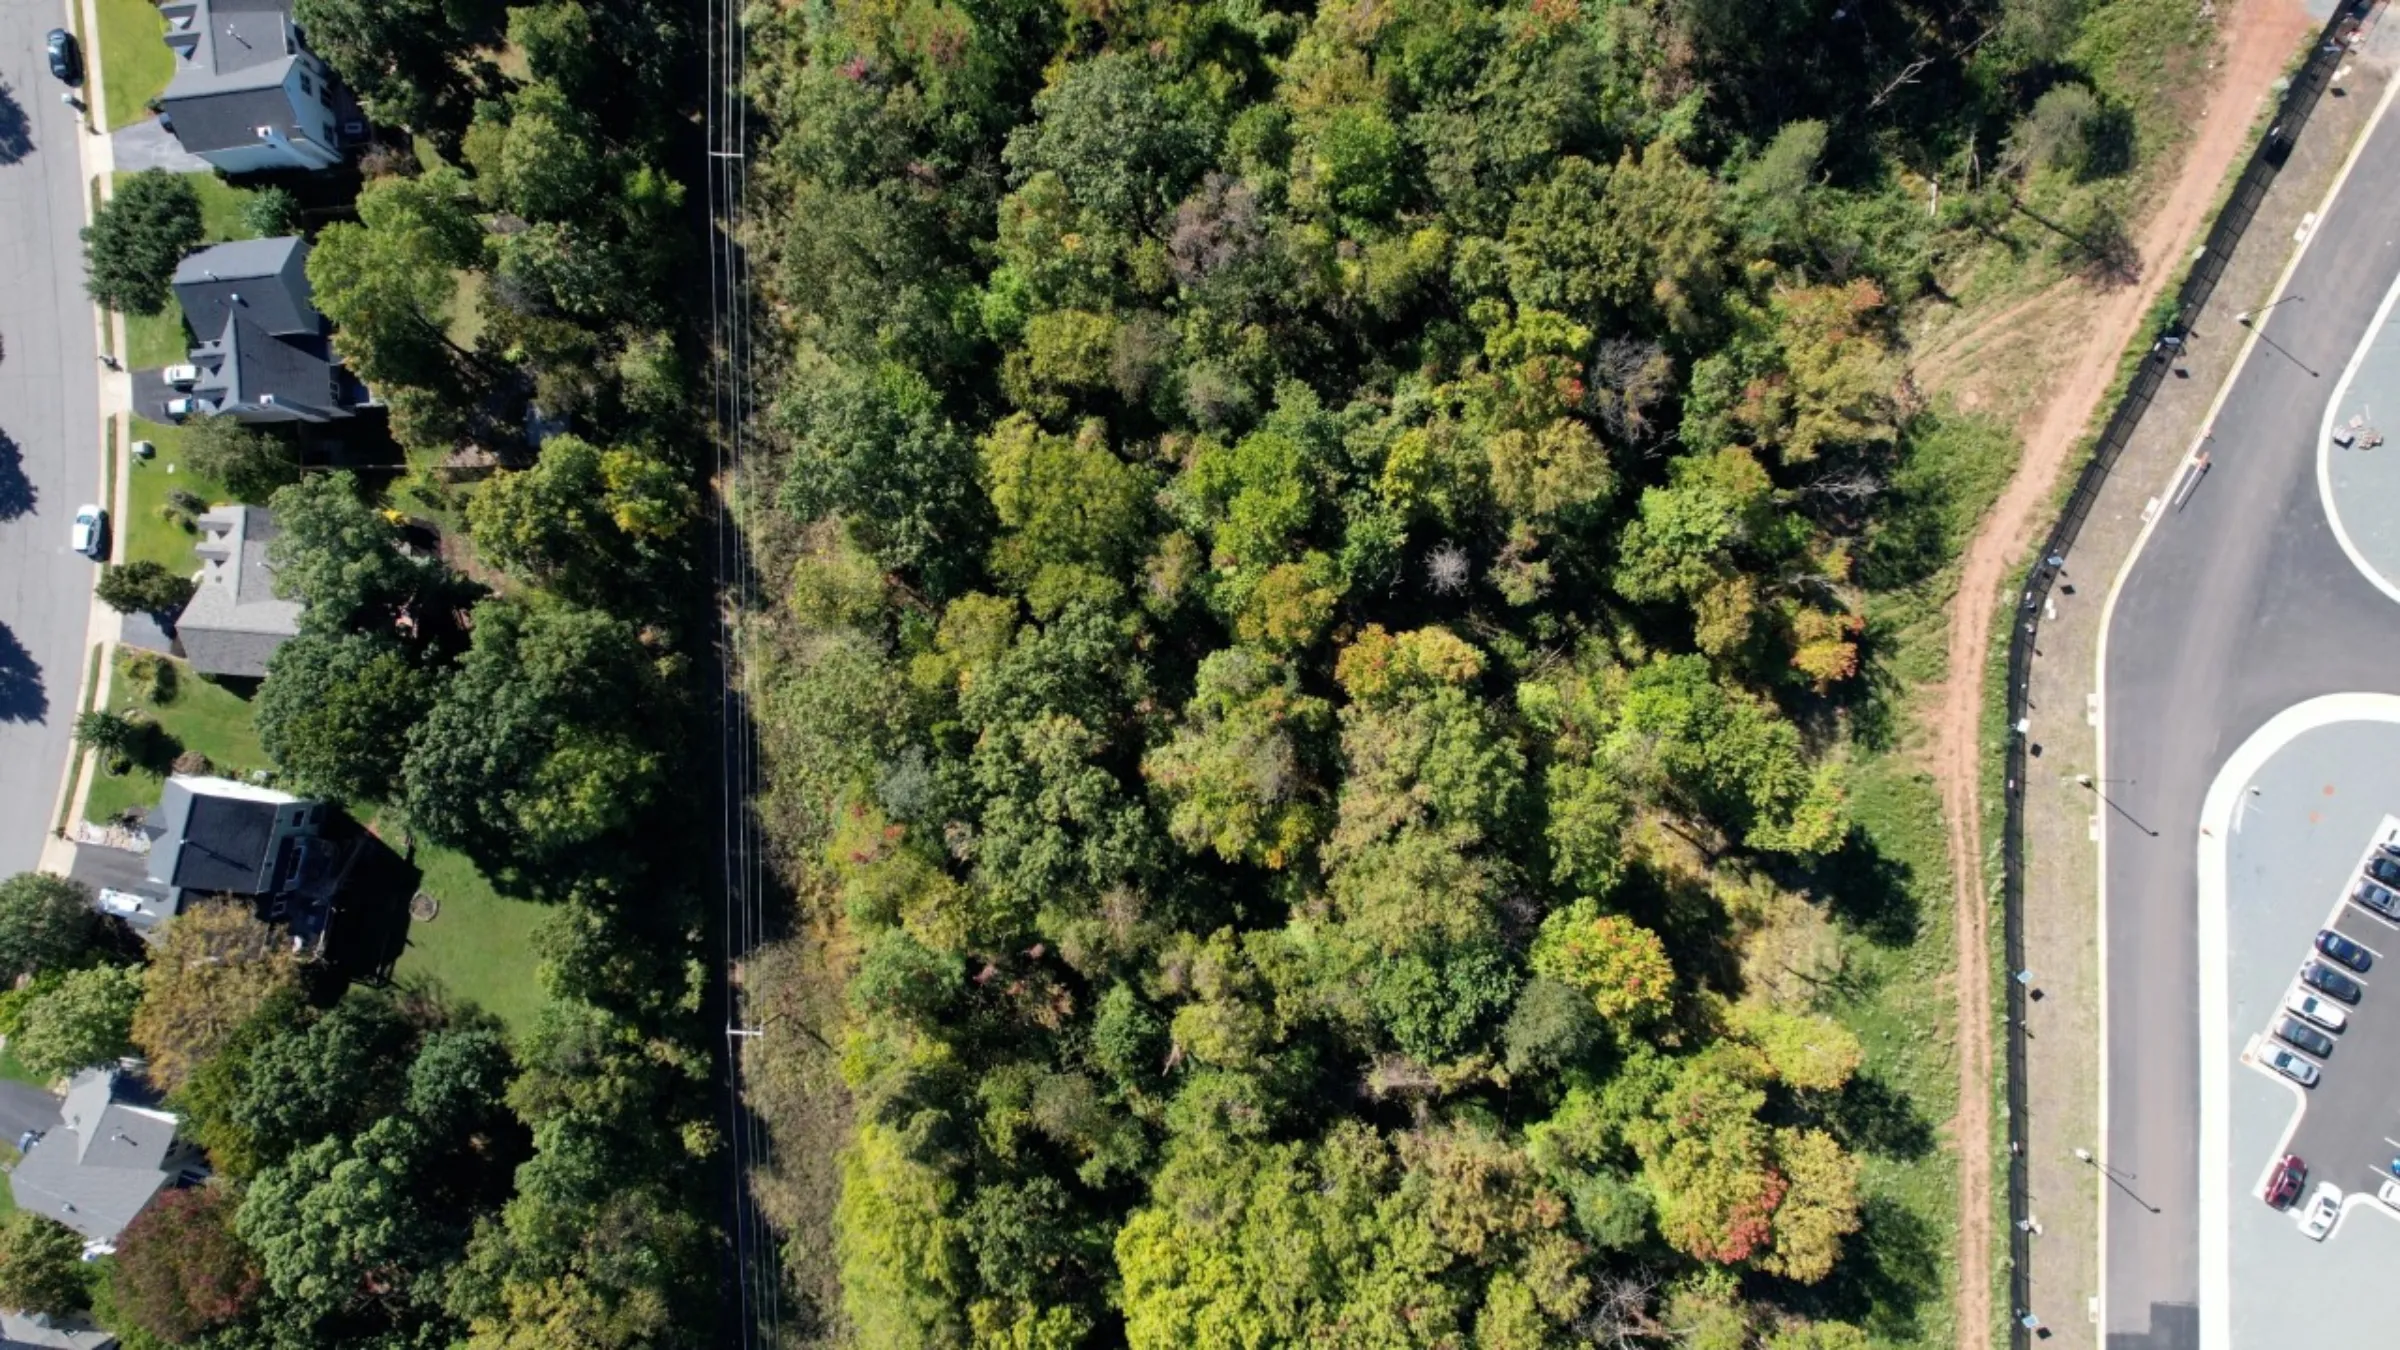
{"x": 49, "y": 432}
{"x": 2240, "y": 605}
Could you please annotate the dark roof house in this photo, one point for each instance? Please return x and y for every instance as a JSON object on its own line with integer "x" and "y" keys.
{"x": 263, "y": 353}
{"x": 247, "y": 94}
{"x": 104, "y": 1161}
{"x": 262, "y": 280}
{"x": 214, "y": 836}
{"x": 234, "y": 620}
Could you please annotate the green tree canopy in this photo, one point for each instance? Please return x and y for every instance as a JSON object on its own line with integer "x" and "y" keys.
{"x": 84, "y": 1019}
{"x": 335, "y": 711}
{"x": 41, "y": 1266}
{"x": 46, "y": 924}
{"x": 137, "y": 237}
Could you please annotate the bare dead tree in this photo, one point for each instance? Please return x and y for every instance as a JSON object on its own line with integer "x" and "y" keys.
{"x": 1629, "y": 379}
{"x": 1447, "y": 569}
{"x": 1619, "y": 1316}
{"x": 1852, "y": 483}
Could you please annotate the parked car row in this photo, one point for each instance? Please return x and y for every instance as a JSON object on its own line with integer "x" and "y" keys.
{"x": 2314, "y": 1016}
{"x": 2284, "y": 1184}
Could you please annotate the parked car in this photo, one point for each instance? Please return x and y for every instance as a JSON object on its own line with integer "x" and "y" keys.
{"x": 2384, "y": 867}
{"x": 2284, "y": 1183}
{"x": 2390, "y": 1194}
{"x": 2306, "y": 1037}
{"x": 66, "y": 58}
{"x": 2377, "y": 898}
{"x": 2292, "y": 1066}
{"x": 181, "y": 377}
{"x": 181, "y": 408}
{"x": 2344, "y": 950}
{"x": 2316, "y": 1010}
{"x": 89, "y": 533}
{"x": 2324, "y": 978}
{"x": 2324, "y": 1207}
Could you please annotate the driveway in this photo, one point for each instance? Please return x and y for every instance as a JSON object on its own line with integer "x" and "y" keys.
{"x": 147, "y": 145}
{"x": 49, "y": 433}
{"x": 24, "y": 1107}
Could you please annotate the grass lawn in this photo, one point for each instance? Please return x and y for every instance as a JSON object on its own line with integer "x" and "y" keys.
{"x": 480, "y": 946}
{"x": 14, "y": 1072}
{"x": 156, "y": 339}
{"x": 145, "y": 535}
{"x": 209, "y": 718}
{"x": 462, "y": 318}
{"x": 135, "y": 64}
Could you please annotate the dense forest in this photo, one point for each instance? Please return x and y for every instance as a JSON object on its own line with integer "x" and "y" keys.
{"x": 1341, "y": 589}
{"x": 391, "y": 1167}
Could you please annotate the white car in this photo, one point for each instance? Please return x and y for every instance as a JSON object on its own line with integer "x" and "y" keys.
{"x": 2291, "y": 1065}
{"x": 181, "y": 408}
{"x": 181, "y": 377}
{"x": 2323, "y": 1012}
{"x": 90, "y": 528}
{"x": 2389, "y": 1194}
{"x": 2324, "y": 1207}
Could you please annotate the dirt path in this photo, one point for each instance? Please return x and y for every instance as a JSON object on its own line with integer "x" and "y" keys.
{"x": 2260, "y": 37}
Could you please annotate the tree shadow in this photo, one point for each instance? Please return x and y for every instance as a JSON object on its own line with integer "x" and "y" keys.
{"x": 17, "y": 492}
{"x": 1889, "y": 1269}
{"x": 1869, "y": 891}
{"x": 1867, "y": 1116}
{"x": 22, "y": 698}
{"x": 16, "y": 130}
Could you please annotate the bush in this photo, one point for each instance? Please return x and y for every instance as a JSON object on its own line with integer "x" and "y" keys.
{"x": 144, "y": 588}
{"x": 249, "y": 462}
{"x": 131, "y": 247}
{"x": 271, "y": 212}
{"x": 153, "y": 677}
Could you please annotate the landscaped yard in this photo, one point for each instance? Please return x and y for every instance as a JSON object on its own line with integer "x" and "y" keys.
{"x": 160, "y": 339}
{"x": 135, "y": 64}
{"x": 146, "y": 535}
{"x": 479, "y": 947}
{"x": 202, "y": 716}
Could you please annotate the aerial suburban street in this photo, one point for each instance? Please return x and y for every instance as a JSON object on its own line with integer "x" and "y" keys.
{"x": 49, "y": 432}
{"x": 2241, "y": 604}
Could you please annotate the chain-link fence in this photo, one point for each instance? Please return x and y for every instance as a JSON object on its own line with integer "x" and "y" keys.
{"x": 2298, "y": 101}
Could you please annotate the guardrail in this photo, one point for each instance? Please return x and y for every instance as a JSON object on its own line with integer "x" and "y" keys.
{"x": 2299, "y": 99}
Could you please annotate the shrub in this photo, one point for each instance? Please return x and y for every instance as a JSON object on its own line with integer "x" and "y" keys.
{"x": 131, "y": 247}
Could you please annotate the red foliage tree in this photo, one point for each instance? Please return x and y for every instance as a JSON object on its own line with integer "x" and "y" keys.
{"x": 180, "y": 1270}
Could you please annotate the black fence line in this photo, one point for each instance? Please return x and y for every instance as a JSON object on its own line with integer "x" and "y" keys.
{"x": 2299, "y": 99}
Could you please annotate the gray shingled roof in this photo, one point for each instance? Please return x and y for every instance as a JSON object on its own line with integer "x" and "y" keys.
{"x": 227, "y": 119}
{"x": 262, "y": 280}
{"x": 36, "y": 1331}
{"x": 235, "y": 621}
{"x": 248, "y": 369}
{"x": 210, "y": 843}
{"x": 97, "y": 1170}
{"x": 232, "y": 57}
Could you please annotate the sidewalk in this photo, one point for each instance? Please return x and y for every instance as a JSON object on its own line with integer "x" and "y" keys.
{"x": 2061, "y": 853}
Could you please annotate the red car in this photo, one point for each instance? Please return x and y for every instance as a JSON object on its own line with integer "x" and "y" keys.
{"x": 2284, "y": 1183}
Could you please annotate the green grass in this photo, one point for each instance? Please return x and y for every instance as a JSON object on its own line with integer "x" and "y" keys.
{"x": 202, "y": 716}
{"x": 480, "y": 946}
{"x": 462, "y": 318}
{"x": 135, "y": 64}
{"x": 15, "y": 1072}
{"x": 221, "y": 208}
{"x": 91, "y": 683}
{"x": 145, "y": 535}
{"x": 156, "y": 339}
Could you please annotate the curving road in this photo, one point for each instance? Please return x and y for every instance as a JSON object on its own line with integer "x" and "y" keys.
{"x": 49, "y": 431}
{"x": 2239, "y": 606}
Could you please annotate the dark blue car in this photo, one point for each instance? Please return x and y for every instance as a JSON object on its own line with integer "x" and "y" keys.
{"x": 2330, "y": 982}
{"x": 2344, "y": 950}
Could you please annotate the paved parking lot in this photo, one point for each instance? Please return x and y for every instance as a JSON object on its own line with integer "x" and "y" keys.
{"x": 2294, "y": 848}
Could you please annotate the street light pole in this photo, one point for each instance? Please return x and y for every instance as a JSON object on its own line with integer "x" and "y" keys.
{"x": 2247, "y": 315}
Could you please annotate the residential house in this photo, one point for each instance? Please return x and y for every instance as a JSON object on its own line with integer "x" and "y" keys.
{"x": 214, "y": 836}
{"x": 234, "y": 620}
{"x": 247, "y": 95}
{"x": 110, "y": 1153}
{"x": 263, "y": 354}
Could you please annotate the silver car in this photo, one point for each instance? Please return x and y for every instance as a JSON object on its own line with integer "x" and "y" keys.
{"x": 2323, "y": 1012}
{"x": 2292, "y": 1065}
{"x": 89, "y": 531}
